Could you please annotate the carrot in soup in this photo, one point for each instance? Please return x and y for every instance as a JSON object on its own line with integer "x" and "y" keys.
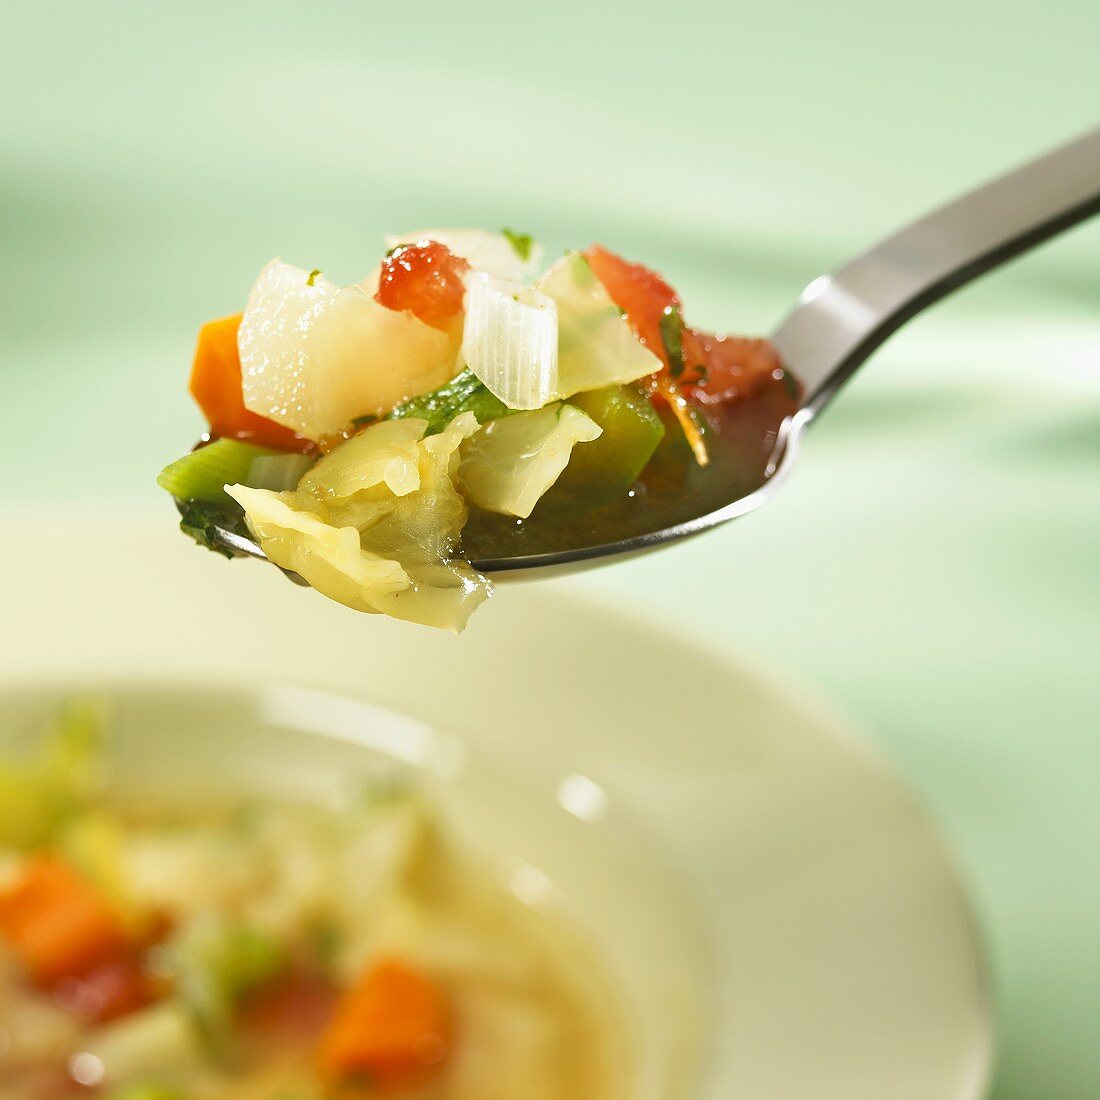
{"x": 57, "y": 923}
{"x": 392, "y": 1029}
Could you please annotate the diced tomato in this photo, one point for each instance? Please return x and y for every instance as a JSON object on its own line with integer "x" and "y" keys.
{"x": 393, "y": 1028}
{"x": 426, "y": 279}
{"x": 216, "y": 386}
{"x": 719, "y": 369}
{"x": 639, "y": 292}
{"x": 58, "y": 924}
{"x": 716, "y": 368}
{"x": 111, "y": 989}
{"x": 297, "y": 1006}
{"x": 647, "y": 299}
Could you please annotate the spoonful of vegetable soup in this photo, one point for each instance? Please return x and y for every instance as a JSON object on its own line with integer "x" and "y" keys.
{"x": 469, "y": 410}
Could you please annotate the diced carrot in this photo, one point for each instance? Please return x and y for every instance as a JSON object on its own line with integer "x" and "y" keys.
{"x": 216, "y": 386}
{"x": 392, "y": 1030}
{"x": 58, "y": 924}
{"x": 664, "y": 387}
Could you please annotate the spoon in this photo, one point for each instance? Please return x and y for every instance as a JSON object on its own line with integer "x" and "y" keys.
{"x": 835, "y": 325}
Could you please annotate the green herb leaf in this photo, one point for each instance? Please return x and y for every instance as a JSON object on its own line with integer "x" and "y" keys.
{"x": 201, "y": 519}
{"x": 521, "y": 242}
{"x": 464, "y": 393}
{"x": 672, "y": 336}
{"x": 312, "y": 278}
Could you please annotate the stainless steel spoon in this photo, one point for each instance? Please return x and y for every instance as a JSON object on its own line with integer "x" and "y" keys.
{"x": 840, "y": 319}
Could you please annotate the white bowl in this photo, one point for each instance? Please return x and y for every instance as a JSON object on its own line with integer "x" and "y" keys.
{"x": 781, "y": 919}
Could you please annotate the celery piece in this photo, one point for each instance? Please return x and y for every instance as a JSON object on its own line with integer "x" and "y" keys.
{"x": 217, "y": 963}
{"x": 203, "y": 474}
{"x": 278, "y": 471}
{"x": 38, "y": 795}
{"x": 464, "y": 393}
{"x": 607, "y": 467}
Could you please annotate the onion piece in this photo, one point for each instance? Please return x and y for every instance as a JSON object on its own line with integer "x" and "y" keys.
{"x": 510, "y": 341}
{"x": 314, "y": 356}
{"x": 492, "y": 253}
{"x": 511, "y": 462}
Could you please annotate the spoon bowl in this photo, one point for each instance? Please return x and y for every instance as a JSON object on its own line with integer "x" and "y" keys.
{"x": 836, "y": 324}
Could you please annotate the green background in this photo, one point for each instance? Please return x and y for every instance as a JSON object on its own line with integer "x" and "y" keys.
{"x": 933, "y": 565}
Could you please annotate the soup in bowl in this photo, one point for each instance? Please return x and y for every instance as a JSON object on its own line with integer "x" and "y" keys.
{"x": 246, "y": 945}
{"x": 755, "y": 903}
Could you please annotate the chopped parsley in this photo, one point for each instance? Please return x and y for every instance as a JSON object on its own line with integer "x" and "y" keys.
{"x": 583, "y": 275}
{"x": 521, "y": 242}
{"x": 672, "y": 336}
{"x": 789, "y": 383}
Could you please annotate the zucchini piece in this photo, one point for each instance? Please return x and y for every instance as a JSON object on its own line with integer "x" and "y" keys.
{"x": 608, "y": 466}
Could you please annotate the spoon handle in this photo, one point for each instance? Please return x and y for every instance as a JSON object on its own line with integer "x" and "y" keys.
{"x": 841, "y": 319}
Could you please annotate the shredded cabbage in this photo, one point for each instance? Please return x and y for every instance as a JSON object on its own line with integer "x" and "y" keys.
{"x": 387, "y": 454}
{"x": 492, "y": 253}
{"x": 511, "y": 462}
{"x": 596, "y": 347}
{"x": 374, "y": 550}
{"x": 315, "y": 357}
{"x": 510, "y": 341}
{"x": 296, "y": 532}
